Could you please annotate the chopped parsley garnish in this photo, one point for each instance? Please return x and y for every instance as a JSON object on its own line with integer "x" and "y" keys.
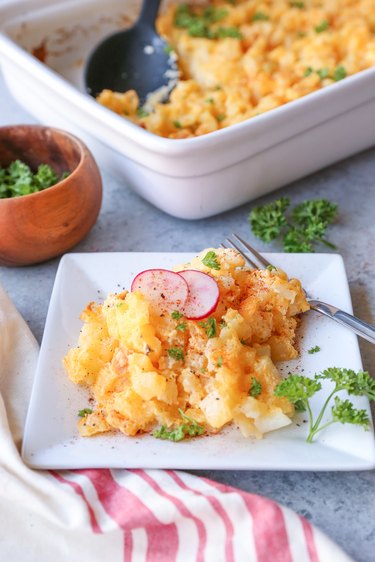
{"x": 219, "y": 362}
{"x": 142, "y": 112}
{"x": 177, "y": 124}
{"x": 198, "y": 23}
{"x": 210, "y": 260}
{"x": 305, "y": 226}
{"x": 176, "y": 315}
{"x": 256, "y": 388}
{"x": 339, "y": 73}
{"x": 176, "y": 353}
{"x": 300, "y": 5}
{"x": 168, "y": 49}
{"x": 322, "y": 73}
{"x": 232, "y": 32}
{"x": 212, "y": 14}
{"x": 181, "y": 327}
{"x": 220, "y": 117}
{"x": 314, "y": 349}
{"x": 260, "y": 16}
{"x": 299, "y": 389}
{"x": 183, "y": 17}
{"x": 189, "y": 428}
{"x": 17, "y": 179}
{"x": 210, "y": 327}
{"x": 323, "y": 26}
{"x": 85, "y": 412}
{"x": 271, "y": 267}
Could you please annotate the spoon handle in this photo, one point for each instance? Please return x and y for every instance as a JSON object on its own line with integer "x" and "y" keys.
{"x": 149, "y": 11}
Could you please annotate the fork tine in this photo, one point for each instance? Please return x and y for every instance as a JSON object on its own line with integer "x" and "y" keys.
{"x": 249, "y": 261}
{"x": 256, "y": 254}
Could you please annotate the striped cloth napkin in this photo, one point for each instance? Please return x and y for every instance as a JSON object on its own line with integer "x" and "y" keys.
{"x": 127, "y": 515}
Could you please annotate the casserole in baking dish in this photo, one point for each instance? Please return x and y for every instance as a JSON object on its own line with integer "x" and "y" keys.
{"x": 192, "y": 177}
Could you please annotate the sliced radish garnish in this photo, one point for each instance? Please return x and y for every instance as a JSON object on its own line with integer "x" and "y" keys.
{"x": 166, "y": 290}
{"x": 203, "y": 294}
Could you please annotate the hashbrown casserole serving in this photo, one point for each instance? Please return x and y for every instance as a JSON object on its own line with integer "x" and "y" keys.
{"x": 144, "y": 367}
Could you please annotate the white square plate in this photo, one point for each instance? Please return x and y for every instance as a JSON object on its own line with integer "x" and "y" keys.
{"x": 51, "y": 438}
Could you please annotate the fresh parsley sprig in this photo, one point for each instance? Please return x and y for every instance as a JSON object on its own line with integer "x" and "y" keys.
{"x": 299, "y": 389}
{"x": 300, "y": 230}
{"x": 189, "y": 428}
{"x": 267, "y": 221}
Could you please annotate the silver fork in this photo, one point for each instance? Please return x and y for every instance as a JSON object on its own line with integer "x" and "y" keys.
{"x": 363, "y": 329}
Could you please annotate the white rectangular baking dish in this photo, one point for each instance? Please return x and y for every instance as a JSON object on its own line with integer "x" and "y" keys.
{"x": 189, "y": 178}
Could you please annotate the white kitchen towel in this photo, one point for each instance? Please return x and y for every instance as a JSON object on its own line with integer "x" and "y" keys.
{"x": 127, "y": 515}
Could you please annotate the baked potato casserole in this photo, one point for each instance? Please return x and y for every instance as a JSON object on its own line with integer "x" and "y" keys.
{"x": 150, "y": 363}
{"x": 240, "y": 58}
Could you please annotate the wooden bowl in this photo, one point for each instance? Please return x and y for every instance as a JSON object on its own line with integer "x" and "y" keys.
{"x": 45, "y": 224}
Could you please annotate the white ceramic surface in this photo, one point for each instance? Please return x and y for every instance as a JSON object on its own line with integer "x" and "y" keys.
{"x": 190, "y": 178}
{"x": 51, "y": 439}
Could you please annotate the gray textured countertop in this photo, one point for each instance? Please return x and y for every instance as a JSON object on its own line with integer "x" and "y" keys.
{"x": 340, "y": 503}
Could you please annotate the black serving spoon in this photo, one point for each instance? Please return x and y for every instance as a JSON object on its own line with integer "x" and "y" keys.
{"x": 134, "y": 59}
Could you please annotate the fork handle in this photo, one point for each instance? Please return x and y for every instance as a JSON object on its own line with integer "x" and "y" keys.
{"x": 363, "y": 329}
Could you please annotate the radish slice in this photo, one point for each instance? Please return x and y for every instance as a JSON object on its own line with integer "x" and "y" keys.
{"x": 203, "y": 294}
{"x": 165, "y": 289}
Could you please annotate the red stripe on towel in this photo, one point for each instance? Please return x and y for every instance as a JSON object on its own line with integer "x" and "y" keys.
{"x": 310, "y": 541}
{"x": 128, "y": 546}
{"x": 270, "y": 534}
{"x": 131, "y": 513}
{"x": 219, "y": 510}
{"x": 78, "y": 489}
{"x": 183, "y": 509}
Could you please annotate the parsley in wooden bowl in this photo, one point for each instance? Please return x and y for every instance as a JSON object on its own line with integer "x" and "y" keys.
{"x": 18, "y": 179}
{"x": 50, "y": 193}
